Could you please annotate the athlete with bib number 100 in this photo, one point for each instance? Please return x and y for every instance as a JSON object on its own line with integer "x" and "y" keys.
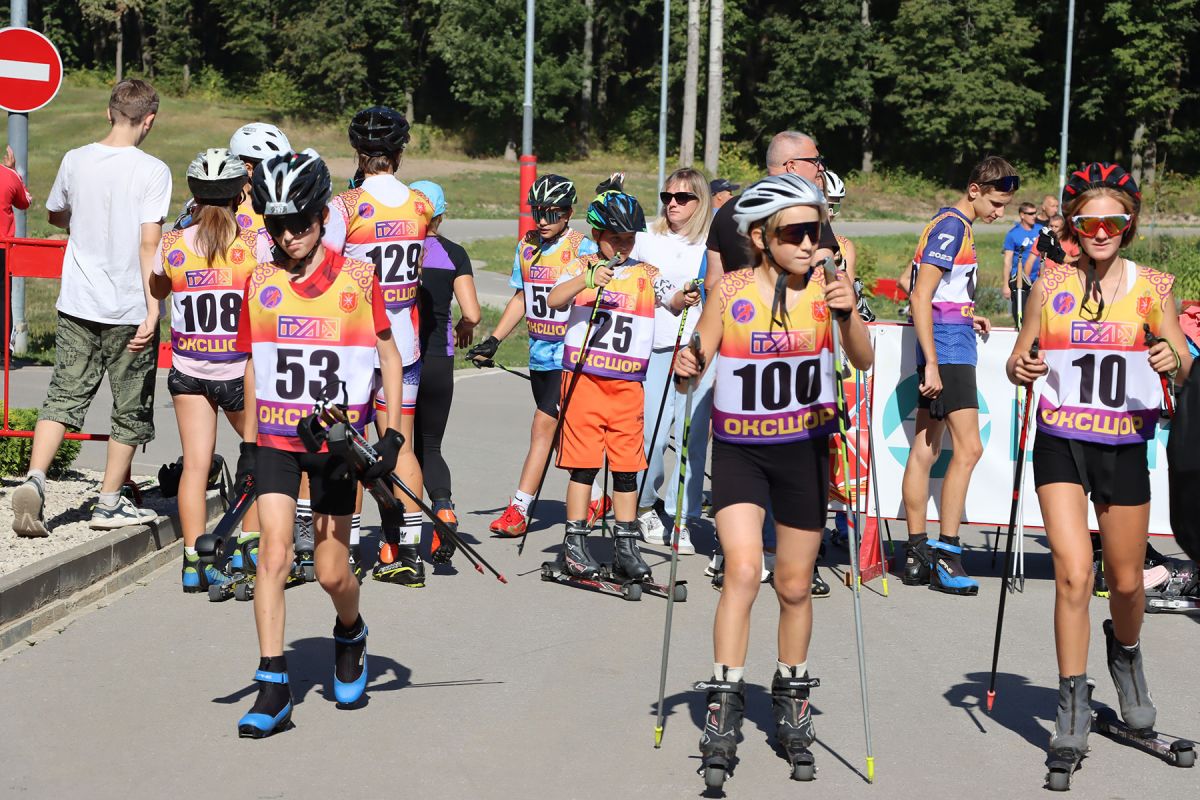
{"x": 1109, "y": 336}
{"x": 384, "y": 222}
{"x": 311, "y": 321}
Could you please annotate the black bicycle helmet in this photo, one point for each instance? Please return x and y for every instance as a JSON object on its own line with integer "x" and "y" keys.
{"x": 616, "y": 212}
{"x": 552, "y": 191}
{"x": 379, "y": 131}
{"x": 293, "y": 183}
{"x": 1101, "y": 174}
{"x": 216, "y": 176}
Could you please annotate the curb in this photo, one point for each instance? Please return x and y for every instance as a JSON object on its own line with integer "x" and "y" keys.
{"x": 38, "y": 595}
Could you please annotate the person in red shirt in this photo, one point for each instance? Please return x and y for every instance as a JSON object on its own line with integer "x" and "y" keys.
{"x": 13, "y": 194}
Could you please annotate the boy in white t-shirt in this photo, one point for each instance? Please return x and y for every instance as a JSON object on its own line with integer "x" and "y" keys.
{"x": 112, "y": 199}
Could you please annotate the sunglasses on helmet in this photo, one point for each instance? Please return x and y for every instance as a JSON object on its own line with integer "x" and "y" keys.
{"x": 547, "y": 214}
{"x": 797, "y": 232}
{"x": 295, "y": 224}
{"x": 1007, "y": 184}
{"x": 1113, "y": 224}
{"x": 680, "y": 198}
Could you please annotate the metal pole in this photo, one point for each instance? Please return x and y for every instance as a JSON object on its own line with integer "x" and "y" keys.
{"x": 18, "y": 138}
{"x": 1066, "y": 111}
{"x": 527, "y": 119}
{"x": 662, "y": 100}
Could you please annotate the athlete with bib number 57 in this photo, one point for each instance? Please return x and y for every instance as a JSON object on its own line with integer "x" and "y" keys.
{"x": 1109, "y": 336}
{"x": 311, "y": 321}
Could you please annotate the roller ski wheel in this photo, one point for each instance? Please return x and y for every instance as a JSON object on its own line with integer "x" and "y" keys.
{"x": 1176, "y": 752}
{"x": 239, "y": 586}
{"x": 1061, "y": 765}
{"x": 1072, "y": 723}
{"x": 726, "y": 703}
{"x": 553, "y": 572}
{"x": 243, "y": 591}
{"x": 1172, "y": 589}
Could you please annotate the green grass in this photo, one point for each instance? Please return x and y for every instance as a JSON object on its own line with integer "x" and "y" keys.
{"x": 513, "y": 352}
{"x": 493, "y": 255}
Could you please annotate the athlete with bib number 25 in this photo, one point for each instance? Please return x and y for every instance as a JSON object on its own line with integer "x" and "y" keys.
{"x": 312, "y": 321}
{"x": 774, "y": 408}
{"x": 1109, "y": 340}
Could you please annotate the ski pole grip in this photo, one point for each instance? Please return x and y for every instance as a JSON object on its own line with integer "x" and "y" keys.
{"x": 830, "y": 278}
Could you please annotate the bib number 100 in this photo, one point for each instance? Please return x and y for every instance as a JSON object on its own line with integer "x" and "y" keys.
{"x": 774, "y": 386}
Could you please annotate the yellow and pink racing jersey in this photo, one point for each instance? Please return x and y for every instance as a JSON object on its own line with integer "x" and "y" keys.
{"x": 1100, "y": 387}
{"x": 249, "y": 220}
{"x": 302, "y": 345}
{"x": 392, "y": 237}
{"x": 206, "y": 303}
{"x": 622, "y": 335}
{"x": 948, "y": 243}
{"x": 774, "y": 384}
{"x": 539, "y": 273}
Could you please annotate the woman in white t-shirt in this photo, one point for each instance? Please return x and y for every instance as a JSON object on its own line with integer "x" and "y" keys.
{"x": 675, "y": 244}
{"x": 205, "y": 267}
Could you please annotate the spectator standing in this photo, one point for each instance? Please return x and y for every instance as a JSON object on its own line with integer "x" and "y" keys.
{"x": 13, "y": 194}
{"x": 112, "y": 199}
{"x": 1047, "y": 210}
{"x": 722, "y": 191}
{"x": 1017, "y": 244}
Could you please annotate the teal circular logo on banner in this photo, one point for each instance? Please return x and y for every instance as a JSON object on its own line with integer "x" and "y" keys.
{"x": 901, "y": 406}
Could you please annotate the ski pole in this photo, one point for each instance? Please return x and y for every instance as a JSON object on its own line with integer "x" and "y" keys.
{"x": 683, "y": 457}
{"x": 1018, "y": 474}
{"x": 671, "y": 447}
{"x": 480, "y": 364}
{"x": 562, "y": 411}
{"x": 1152, "y": 340}
{"x": 830, "y": 277}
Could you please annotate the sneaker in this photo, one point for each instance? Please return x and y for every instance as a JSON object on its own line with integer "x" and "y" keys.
{"x": 651, "y": 527}
{"x": 122, "y": 515}
{"x": 686, "y": 548}
{"x": 768, "y": 567}
{"x": 714, "y": 564}
{"x": 598, "y": 509}
{"x": 29, "y": 505}
{"x": 511, "y": 523}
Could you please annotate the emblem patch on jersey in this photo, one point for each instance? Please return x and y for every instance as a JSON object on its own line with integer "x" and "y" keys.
{"x": 237, "y": 256}
{"x": 742, "y": 311}
{"x": 396, "y": 229}
{"x": 420, "y": 207}
{"x": 348, "y": 301}
{"x": 1144, "y": 305}
{"x": 1063, "y": 303}
{"x": 566, "y": 256}
{"x": 782, "y": 342}
{"x": 201, "y": 278}
{"x": 1122, "y": 334}
{"x": 527, "y": 252}
{"x": 366, "y": 210}
{"x": 244, "y": 222}
{"x": 820, "y": 311}
{"x": 541, "y": 274}
{"x": 308, "y": 329}
{"x": 270, "y": 296}
{"x": 175, "y": 258}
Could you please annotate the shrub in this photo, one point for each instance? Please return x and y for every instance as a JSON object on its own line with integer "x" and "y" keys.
{"x": 15, "y": 452}
{"x": 1178, "y": 256}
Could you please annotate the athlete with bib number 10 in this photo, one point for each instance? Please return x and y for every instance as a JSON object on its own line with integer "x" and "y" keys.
{"x": 1099, "y": 408}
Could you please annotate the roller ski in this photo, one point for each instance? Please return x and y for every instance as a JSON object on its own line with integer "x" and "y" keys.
{"x": 576, "y": 566}
{"x": 793, "y": 723}
{"x": 1176, "y": 752}
{"x": 722, "y": 728}
{"x": 1068, "y": 745}
{"x": 1172, "y": 589}
{"x": 234, "y": 557}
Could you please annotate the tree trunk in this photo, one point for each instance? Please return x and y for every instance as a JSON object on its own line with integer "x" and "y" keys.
{"x": 409, "y": 111}
{"x": 585, "y": 91}
{"x": 712, "y": 128}
{"x": 868, "y": 151}
{"x": 120, "y": 44}
{"x": 687, "y": 135}
{"x": 1136, "y": 150}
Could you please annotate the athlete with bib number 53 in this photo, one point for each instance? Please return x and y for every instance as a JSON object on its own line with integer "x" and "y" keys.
{"x": 1109, "y": 336}
{"x": 311, "y": 321}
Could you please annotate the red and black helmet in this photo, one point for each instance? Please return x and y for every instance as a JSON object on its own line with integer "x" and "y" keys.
{"x": 1099, "y": 174}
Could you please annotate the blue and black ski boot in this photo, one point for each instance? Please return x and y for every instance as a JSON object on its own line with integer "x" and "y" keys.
{"x": 946, "y": 572}
{"x": 349, "y": 661}
{"x": 272, "y": 710}
{"x": 198, "y": 576}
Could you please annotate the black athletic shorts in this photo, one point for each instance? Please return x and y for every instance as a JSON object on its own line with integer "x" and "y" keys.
{"x": 228, "y": 395}
{"x": 278, "y": 472}
{"x": 547, "y": 386}
{"x": 1112, "y": 474}
{"x": 791, "y": 479}
{"x": 958, "y": 387}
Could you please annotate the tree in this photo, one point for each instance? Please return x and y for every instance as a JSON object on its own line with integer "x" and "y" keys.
{"x": 687, "y": 134}
{"x": 712, "y": 127}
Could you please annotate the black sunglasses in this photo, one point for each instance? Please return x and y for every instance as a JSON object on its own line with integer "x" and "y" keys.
{"x": 1007, "y": 184}
{"x": 546, "y": 214}
{"x": 797, "y": 232}
{"x": 295, "y": 224}
{"x": 680, "y": 198}
{"x": 819, "y": 161}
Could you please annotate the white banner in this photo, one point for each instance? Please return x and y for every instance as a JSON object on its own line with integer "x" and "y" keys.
{"x": 894, "y": 411}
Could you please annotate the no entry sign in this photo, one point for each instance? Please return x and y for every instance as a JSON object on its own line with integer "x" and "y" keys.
{"x": 30, "y": 70}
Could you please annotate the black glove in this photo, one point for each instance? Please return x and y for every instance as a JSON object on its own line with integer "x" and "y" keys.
{"x": 1049, "y": 247}
{"x": 388, "y": 449}
{"x": 937, "y": 408}
{"x": 485, "y": 350}
{"x": 247, "y": 463}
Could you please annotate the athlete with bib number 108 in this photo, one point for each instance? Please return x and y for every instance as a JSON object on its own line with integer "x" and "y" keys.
{"x": 311, "y": 320}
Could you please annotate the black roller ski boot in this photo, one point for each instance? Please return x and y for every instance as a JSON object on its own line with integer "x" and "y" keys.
{"x": 400, "y": 564}
{"x": 1125, "y": 667}
{"x": 304, "y": 543}
{"x": 946, "y": 573}
{"x": 627, "y": 558}
{"x": 722, "y": 728}
{"x": 793, "y": 723}
{"x": 575, "y": 559}
{"x": 916, "y": 561}
{"x": 1099, "y": 585}
{"x": 1069, "y": 744}
{"x": 272, "y": 709}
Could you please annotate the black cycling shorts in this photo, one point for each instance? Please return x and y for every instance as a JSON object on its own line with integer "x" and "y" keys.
{"x": 227, "y": 395}
{"x": 278, "y": 472}
{"x": 958, "y": 387}
{"x": 547, "y": 386}
{"x": 791, "y": 479}
{"x": 1112, "y": 474}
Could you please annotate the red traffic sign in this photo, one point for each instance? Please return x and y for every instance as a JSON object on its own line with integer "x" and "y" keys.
{"x": 30, "y": 70}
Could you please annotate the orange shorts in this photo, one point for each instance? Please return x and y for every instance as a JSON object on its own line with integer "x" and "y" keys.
{"x": 605, "y": 415}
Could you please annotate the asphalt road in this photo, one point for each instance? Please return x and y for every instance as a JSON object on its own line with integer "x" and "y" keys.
{"x": 485, "y": 690}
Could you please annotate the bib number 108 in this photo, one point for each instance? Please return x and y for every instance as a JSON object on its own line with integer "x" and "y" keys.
{"x": 774, "y": 386}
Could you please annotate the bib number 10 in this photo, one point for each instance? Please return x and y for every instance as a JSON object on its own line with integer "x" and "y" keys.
{"x": 1112, "y": 379}
{"x": 774, "y": 386}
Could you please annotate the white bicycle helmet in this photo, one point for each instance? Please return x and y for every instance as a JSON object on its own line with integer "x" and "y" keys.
{"x": 763, "y": 198}
{"x": 835, "y": 187}
{"x": 258, "y": 141}
{"x": 216, "y": 175}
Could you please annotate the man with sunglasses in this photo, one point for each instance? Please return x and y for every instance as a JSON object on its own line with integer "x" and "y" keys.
{"x": 1017, "y": 244}
{"x": 541, "y": 256}
{"x": 942, "y": 301}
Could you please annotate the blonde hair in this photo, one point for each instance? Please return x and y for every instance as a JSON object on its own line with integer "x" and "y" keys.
{"x": 216, "y": 230}
{"x": 696, "y": 228}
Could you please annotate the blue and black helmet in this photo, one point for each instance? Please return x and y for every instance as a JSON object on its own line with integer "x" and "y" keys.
{"x": 616, "y": 212}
